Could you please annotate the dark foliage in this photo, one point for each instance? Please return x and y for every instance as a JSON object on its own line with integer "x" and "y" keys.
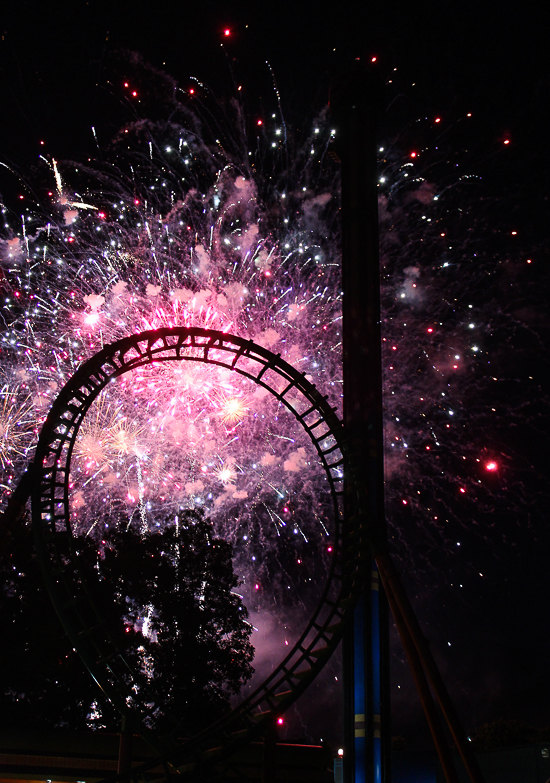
{"x": 502, "y": 733}
{"x": 167, "y": 596}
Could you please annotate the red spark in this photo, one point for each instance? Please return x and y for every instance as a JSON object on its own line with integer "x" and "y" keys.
{"x": 462, "y": 490}
{"x": 227, "y": 32}
{"x": 491, "y": 466}
{"x": 438, "y": 119}
{"x": 413, "y": 154}
{"x": 280, "y": 721}
{"x": 259, "y": 122}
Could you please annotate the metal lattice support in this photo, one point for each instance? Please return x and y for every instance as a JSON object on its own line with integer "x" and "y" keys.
{"x": 74, "y": 599}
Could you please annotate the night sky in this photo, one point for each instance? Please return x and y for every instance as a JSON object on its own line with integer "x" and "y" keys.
{"x": 58, "y": 64}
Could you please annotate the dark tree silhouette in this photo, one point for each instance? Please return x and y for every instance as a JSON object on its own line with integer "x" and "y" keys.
{"x": 167, "y": 595}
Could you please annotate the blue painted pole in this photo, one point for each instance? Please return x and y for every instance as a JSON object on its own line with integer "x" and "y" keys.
{"x": 376, "y": 658}
{"x": 359, "y": 693}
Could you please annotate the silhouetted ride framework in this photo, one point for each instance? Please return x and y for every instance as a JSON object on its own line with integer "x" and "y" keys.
{"x": 80, "y": 613}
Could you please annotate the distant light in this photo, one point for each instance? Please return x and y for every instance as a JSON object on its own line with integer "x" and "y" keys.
{"x": 280, "y": 721}
{"x": 227, "y": 32}
{"x": 529, "y": 261}
{"x": 507, "y": 141}
{"x": 413, "y": 154}
{"x": 256, "y": 586}
{"x": 491, "y": 466}
{"x": 514, "y": 233}
{"x": 430, "y": 330}
{"x": 191, "y": 91}
{"x": 340, "y": 752}
{"x": 438, "y": 119}
{"x": 373, "y": 59}
{"x": 259, "y": 122}
{"x": 134, "y": 93}
{"x": 462, "y": 490}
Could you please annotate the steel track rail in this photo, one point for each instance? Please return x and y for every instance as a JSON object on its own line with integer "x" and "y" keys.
{"x": 75, "y": 601}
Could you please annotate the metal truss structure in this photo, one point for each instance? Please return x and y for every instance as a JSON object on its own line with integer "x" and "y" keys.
{"x": 206, "y": 754}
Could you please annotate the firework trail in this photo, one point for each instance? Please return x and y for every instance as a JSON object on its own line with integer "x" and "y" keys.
{"x": 179, "y": 224}
{"x": 177, "y": 231}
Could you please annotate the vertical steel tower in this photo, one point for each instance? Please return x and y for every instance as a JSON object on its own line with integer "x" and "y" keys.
{"x": 357, "y": 103}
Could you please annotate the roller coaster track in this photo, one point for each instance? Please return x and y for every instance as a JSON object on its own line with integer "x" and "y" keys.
{"x": 205, "y": 755}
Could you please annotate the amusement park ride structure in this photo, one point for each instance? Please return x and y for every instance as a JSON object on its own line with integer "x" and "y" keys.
{"x": 353, "y": 604}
